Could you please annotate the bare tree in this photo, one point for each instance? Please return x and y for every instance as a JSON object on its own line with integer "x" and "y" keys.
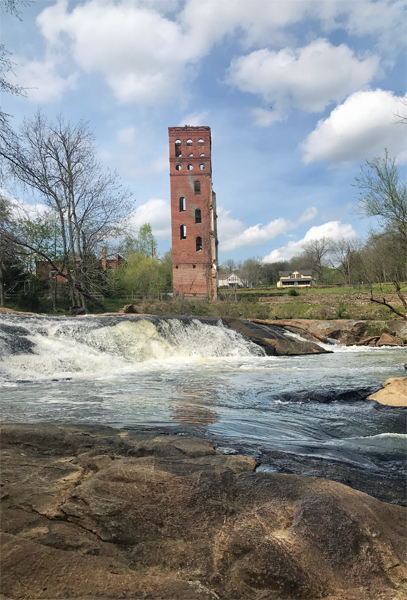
{"x": 315, "y": 254}
{"x": 57, "y": 162}
{"x": 345, "y": 257}
{"x": 384, "y": 195}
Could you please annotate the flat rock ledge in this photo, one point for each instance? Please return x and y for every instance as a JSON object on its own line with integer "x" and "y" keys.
{"x": 394, "y": 392}
{"x": 97, "y": 513}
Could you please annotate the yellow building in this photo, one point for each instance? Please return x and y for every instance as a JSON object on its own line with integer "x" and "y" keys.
{"x": 295, "y": 278}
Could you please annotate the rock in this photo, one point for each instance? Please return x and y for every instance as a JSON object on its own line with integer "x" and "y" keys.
{"x": 95, "y": 512}
{"x": 273, "y": 338}
{"x": 394, "y": 392}
{"x": 77, "y": 311}
{"x": 128, "y": 309}
{"x": 386, "y": 339}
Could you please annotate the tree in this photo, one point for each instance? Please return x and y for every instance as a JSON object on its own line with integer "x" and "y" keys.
{"x": 141, "y": 274}
{"x": 345, "y": 257}
{"x": 57, "y": 162}
{"x": 315, "y": 255}
{"x": 383, "y": 194}
{"x": 250, "y": 272}
{"x": 144, "y": 243}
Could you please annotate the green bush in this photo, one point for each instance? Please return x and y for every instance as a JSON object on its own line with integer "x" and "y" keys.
{"x": 293, "y": 292}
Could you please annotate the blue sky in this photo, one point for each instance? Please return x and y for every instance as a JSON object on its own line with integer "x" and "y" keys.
{"x": 298, "y": 94}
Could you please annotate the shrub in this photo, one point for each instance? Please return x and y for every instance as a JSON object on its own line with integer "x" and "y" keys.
{"x": 293, "y": 292}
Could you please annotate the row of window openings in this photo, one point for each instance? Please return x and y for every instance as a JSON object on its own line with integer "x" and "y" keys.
{"x": 189, "y": 142}
{"x": 183, "y": 236}
{"x": 189, "y": 167}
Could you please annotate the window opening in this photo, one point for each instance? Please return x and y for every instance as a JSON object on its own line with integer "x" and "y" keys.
{"x": 198, "y": 216}
{"x": 203, "y": 154}
{"x": 190, "y": 167}
{"x": 183, "y": 232}
{"x": 194, "y": 266}
{"x": 197, "y": 188}
{"x": 178, "y": 142}
{"x": 177, "y": 147}
{"x": 202, "y": 167}
{"x": 182, "y": 204}
{"x": 176, "y": 266}
{"x": 189, "y": 142}
{"x": 191, "y": 154}
{"x": 178, "y": 167}
{"x": 198, "y": 244}
{"x": 201, "y": 142}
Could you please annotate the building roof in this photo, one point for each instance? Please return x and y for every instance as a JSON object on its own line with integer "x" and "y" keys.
{"x": 305, "y": 273}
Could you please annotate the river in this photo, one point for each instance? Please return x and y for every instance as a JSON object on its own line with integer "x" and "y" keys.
{"x": 303, "y": 414}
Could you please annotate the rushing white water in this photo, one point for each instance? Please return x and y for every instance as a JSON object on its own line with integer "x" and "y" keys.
{"x": 192, "y": 376}
{"x": 59, "y": 348}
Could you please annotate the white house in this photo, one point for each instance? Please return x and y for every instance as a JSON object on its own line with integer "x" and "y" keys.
{"x": 231, "y": 281}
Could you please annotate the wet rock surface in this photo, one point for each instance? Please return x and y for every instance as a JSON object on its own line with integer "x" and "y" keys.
{"x": 272, "y": 338}
{"x": 394, "y": 392}
{"x": 93, "y": 512}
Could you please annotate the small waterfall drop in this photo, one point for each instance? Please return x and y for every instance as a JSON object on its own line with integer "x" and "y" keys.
{"x": 33, "y": 347}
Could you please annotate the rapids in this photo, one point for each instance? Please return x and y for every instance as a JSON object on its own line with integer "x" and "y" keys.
{"x": 302, "y": 414}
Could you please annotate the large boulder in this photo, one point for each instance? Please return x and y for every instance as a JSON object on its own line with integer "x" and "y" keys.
{"x": 386, "y": 339}
{"x": 100, "y": 513}
{"x": 273, "y": 338}
{"x": 394, "y": 392}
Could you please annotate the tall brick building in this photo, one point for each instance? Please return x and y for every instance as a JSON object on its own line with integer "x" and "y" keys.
{"x": 193, "y": 212}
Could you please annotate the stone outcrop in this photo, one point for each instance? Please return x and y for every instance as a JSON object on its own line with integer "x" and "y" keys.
{"x": 101, "y": 513}
{"x": 387, "y": 339}
{"x": 272, "y": 338}
{"x": 128, "y": 309}
{"x": 345, "y": 331}
{"x": 394, "y": 392}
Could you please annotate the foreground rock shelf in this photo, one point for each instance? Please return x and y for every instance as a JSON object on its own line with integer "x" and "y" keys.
{"x": 93, "y": 512}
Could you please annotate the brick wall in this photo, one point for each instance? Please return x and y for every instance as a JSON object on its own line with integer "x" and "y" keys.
{"x": 194, "y": 266}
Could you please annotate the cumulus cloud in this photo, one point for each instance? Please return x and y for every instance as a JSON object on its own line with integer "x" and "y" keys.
{"x": 155, "y": 211}
{"x": 333, "y": 229}
{"x": 309, "y": 78}
{"x": 41, "y": 80}
{"x": 362, "y": 127}
{"x": 233, "y": 234}
{"x": 145, "y": 50}
{"x": 139, "y": 51}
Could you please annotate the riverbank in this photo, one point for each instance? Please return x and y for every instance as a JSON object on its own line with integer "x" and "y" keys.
{"x": 98, "y": 512}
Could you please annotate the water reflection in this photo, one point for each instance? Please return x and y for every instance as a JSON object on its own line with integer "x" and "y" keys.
{"x": 194, "y": 414}
{"x": 188, "y": 411}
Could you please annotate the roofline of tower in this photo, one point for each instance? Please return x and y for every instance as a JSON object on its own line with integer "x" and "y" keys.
{"x": 199, "y": 127}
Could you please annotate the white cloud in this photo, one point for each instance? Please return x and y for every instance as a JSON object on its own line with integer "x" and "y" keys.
{"x": 41, "y": 80}
{"x": 309, "y": 78}
{"x": 145, "y": 50}
{"x": 232, "y": 233}
{"x": 157, "y": 213}
{"x": 140, "y": 53}
{"x": 362, "y": 127}
{"x": 333, "y": 229}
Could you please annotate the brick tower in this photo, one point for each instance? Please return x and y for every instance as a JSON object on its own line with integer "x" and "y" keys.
{"x": 193, "y": 212}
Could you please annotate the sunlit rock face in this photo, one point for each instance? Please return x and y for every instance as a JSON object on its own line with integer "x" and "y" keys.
{"x": 97, "y": 512}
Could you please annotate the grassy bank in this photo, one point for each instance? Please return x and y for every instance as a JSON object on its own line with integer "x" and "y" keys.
{"x": 310, "y": 303}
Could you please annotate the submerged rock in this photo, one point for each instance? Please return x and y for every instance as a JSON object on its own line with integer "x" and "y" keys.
{"x": 394, "y": 392}
{"x": 95, "y": 512}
